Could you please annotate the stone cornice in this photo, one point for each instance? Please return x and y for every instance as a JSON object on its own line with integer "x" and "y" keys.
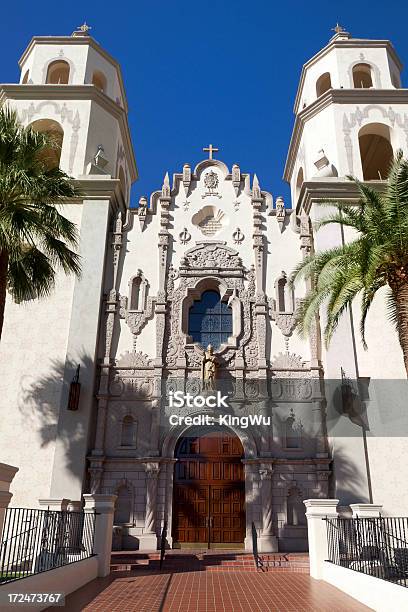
{"x": 337, "y": 96}
{"x": 340, "y": 43}
{"x": 75, "y": 40}
{"x": 321, "y": 190}
{"x": 74, "y": 93}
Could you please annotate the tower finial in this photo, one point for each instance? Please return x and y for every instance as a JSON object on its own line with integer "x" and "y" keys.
{"x": 338, "y": 29}
{"x": 82, "y": 30}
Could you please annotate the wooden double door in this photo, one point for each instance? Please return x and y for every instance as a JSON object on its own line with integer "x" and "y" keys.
{"x": 209, "y": 492}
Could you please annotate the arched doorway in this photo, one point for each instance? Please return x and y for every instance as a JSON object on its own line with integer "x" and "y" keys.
{"x": 209, "y": 491}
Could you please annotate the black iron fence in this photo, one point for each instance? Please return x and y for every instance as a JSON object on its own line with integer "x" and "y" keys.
{"x": 163, "y": 542}
{"x": 374, "y": 546}
{"x": 35, "y": 541}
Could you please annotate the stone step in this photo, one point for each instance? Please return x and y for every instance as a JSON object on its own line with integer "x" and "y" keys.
{"x": 209, "y": 561}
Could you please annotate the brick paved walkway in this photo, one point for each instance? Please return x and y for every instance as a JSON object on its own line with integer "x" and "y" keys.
{"x": 154, "y": 591}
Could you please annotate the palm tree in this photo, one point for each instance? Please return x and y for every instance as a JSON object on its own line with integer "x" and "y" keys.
{"x": 377, "y": 257}
{"x": 35, "y": 238}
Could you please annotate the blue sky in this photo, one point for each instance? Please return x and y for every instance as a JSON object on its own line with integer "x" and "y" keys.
{"x": 201, "y": 72}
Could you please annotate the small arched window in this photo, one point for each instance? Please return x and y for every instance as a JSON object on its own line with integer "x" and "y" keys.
{"x": 284, "y": 294}
{"x": 395, "y": 80}
{"x": 123, "y": 183}
{"x": 138, "y": 288}
{"x": 123, "y": 506}
{"x": 128, "y": 432}
{"x": 299, "y": 182}
{"x": 362, "y": 77}
{"x": 323, "y": 84}
{"x": 210, "y": 320}
{"x": 25, "y": 77}
{"x": 51, "y": 157}
{"x": 58, "y": 73}
{"x": 99, "y": 80}
{"x": 375, "y": 150}
{"x": 295, "y": 511}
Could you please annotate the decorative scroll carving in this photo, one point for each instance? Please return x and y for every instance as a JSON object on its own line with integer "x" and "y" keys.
{"x": 212, "y": 256}
{"x": 124, "y": 386}
{"x": 136, "y": 319}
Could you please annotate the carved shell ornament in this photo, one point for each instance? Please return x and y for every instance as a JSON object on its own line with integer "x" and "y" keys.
{"x": 209, "y": 220}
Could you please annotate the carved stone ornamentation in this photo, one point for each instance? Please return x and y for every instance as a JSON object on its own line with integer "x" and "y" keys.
{"x": 236, "y": 178}
{"x": 288, "y": 361}
{"x": 185, "y": 236}
{"x": 211, "y": 182}
{"x": 186, "y": 178}
{"x": 134, "y": 360}
{"x": 212, "y": 256}
{"x": 286, "y": 322}
{"x": 142, "y": 211}
{"x": 280, "y": 212}
{"x": 238, "y": 236}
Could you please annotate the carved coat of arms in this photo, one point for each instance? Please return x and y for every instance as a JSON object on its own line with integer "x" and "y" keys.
{"x": 211, "y": 181}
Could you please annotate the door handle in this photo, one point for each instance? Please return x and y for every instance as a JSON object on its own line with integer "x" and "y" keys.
{"x": 211, "y": 521}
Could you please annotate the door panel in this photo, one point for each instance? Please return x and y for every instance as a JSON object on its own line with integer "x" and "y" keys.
{"x": 209, "y": 493}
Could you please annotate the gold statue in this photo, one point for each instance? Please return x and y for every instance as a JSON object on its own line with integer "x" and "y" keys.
{"x": 209, "y": 366}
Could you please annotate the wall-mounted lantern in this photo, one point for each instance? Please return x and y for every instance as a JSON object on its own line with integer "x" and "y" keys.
{"x": 74, "y": 392}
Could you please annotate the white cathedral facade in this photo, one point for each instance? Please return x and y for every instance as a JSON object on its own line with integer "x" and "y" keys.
{"x": 204, "y": 260}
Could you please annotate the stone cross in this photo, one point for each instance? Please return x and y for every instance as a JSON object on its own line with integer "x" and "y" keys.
{"x": 210, "y": 150}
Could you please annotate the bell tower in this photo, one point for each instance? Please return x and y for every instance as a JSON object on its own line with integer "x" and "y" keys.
{"x": 72, "y": 87}
{"x": 350, "y": 114}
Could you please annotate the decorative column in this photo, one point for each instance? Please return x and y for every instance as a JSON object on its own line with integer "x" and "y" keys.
{"x": 7, "y": 473}
{"x": 268, "y": 541}
{"x": 316, "y": 511}
{"x": 148, "y": 540}
{"x": 249, "y": 468}
{"x": 104, "y": 506}
{"x": 261, "y": 305}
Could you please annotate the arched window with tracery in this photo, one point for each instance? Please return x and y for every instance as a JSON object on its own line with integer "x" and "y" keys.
{"x": 58, "y": 73}
{"x": 51, "y": 156}
{"x": 210, "y": 320}
{"x": 362, "y": 76}
{"x": 128, "y": 432}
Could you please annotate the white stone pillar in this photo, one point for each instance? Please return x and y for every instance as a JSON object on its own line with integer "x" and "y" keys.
{"x": 366, "y": 510}
{"x": 104, "y": 506}
{"x": 267, "y": 541}
{"x": 60, "y": 504}
{"x": 148, "y": 539}
{"x": 7, "y": 473}
{"x": 74, "y": 506}
{"x": 316, "y": 511}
